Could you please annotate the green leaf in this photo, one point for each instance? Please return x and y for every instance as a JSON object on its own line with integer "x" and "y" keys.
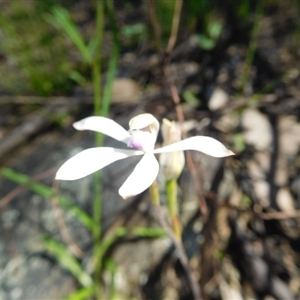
{"x": 77, "y": 77}
{"x": 111, "y": 267}
{"x": 205, "y": 42}
{"x": 145, "y": 232}
{"x": 66, "y": 259}
{"x": 148, "y": 232}
{"x": 215, "y": 29}
{"x": 82, "y": 294}
{"x": 62, "y": 19}
{"x": 138, "y": 29}
{"x": 239, "y": 141}
{"x": 48, "y": 192}
{"x": 190, "y": 98}
{"x": 103, "y": 246}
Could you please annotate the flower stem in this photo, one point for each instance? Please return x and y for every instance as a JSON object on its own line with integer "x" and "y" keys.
{"x": 113, "y": 60}
{"x": 171, "y": 190}
{"x": 154, "y": 194}
{"x": 96, "y": 69}
{"x": 97, "y": 86}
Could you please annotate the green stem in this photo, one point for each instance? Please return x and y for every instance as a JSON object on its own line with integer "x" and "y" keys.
{"x": 154, "y": 193}
{"x": 96, "y": 69}
{"x": 96, "y": 64}
{"x": 97, "y": 83}
{"x": 252, "y": 45}
{"x": 171, "y": 190}
{"x": 113, "y": 60}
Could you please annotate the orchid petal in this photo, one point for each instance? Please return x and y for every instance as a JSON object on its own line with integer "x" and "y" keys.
{"x": 104, "y": 125}
{"x": 92, "y": 160}
{"x": 141, "y": 178}
{"x": 203, "y": 144}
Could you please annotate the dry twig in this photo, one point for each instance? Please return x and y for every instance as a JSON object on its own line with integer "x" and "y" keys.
{"x": 4, "y": 201}
{"x": 62, "y": 226}
{"x": 179, "y": 111}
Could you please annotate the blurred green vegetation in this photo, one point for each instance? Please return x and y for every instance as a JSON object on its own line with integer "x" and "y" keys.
{"x": 35, "y": 58}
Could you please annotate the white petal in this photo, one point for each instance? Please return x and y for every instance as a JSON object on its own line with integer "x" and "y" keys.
{"x": 141, "y": 178}
{"x": 104, "y": 125}
{"x": 204, "y": 144}
{"x": 92, "y": 160}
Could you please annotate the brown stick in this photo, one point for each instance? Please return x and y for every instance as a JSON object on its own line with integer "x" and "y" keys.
{"x": 176, "y": 100}
{"x": 155, "y": 24}
{"x": 32, "y": 124}
{"x": 62, "y": 226}
{"x": 166, "y": 70}
{"x": 191, "y": 165}
{"x": 60, "y": 100}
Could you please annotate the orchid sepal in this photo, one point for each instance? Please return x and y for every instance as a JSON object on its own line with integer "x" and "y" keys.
{"x": 104, "y": 125}
{"x": 203, "y": 144}
{"x": 91, "y": 160}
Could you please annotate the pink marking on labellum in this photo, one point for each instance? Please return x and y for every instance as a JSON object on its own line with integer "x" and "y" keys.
{"x": 135, "y": 144}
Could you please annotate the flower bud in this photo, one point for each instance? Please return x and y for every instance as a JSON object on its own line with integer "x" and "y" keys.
{"x": 171, "y": 163}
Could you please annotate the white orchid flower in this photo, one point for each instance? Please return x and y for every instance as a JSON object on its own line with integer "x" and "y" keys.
{"x": 141, "y": 137}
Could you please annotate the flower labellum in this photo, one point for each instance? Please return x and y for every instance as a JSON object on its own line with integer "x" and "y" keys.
{"x": 141, "y": 138}
{"x": 143, "y": 130}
